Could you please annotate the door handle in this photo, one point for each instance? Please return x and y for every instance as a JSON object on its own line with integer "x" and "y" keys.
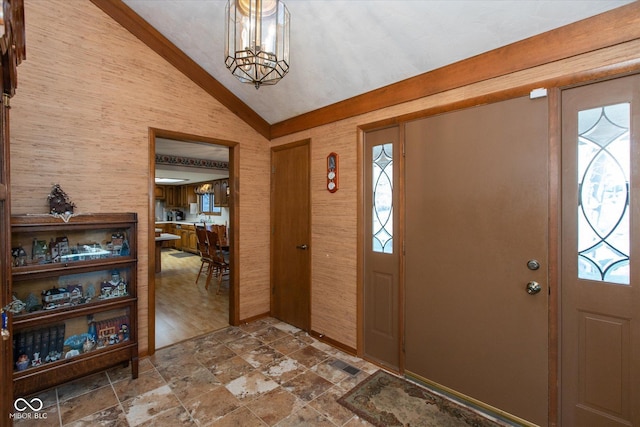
{"x": 533, "y": 288}
{"x": 303, "y": 247}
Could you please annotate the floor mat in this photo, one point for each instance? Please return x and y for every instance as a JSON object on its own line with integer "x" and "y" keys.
{"x": 182, "y": 254}
{"x": 386, "y": 400}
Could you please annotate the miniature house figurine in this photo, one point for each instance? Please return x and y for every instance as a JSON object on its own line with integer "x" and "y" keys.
{"x": 116, "y": 287}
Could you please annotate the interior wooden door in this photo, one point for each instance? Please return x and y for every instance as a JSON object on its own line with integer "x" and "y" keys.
{"x": 476, "y": 293}
{"x": 600, "y": 335}
{"x": 291, "y": 235}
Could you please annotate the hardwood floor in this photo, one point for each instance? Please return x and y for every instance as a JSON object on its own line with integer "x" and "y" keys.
{"x": 185, "y": 309}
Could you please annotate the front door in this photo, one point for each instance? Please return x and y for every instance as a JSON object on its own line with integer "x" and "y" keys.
{"x": 476, "y": 291}
{"x": 600, "y": 335}
{"x": 290, "y": 235}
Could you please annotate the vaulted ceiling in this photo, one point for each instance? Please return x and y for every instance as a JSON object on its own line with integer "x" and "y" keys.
{"x": 344, "y": 50}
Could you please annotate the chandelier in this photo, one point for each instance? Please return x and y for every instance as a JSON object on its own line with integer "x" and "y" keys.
{"x": 257, "y": 40}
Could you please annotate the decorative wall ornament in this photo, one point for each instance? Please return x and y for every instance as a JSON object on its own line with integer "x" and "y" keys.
{"x": 165, "y": 159}
{"x": 59, "y": 202}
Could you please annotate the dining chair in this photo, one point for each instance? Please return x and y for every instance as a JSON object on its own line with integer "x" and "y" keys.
{"x": 218, "y": 264}
{"x": 203, "y": 249}
{"x": 222, "y": 235}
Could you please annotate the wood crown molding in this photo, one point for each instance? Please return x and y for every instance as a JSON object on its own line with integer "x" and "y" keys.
{"x": 608, "y": 29}
{"x": 604, "y": 30}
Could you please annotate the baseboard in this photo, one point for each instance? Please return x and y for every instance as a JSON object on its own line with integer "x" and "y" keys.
{"x": 333, "y": 343}
{"x": 254, "y": 318}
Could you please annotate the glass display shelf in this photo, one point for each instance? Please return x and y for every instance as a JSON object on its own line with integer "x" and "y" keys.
{"x": 51, "y": 344}
{"x": 53, "y": 294}
{"x": 74, "y": 308}
{"x": 38, "y": 248}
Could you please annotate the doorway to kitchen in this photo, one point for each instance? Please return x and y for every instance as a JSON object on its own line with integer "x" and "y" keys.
{"x": 192, "y": 187}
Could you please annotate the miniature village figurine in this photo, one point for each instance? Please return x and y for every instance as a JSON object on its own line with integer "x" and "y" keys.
{"x": 116, "y": 287}
{"x": 32, "y": 303}
{"x": 88, "y": 345}
{"x": 37, "y": 361}
{"x": 17, "y": 306}
{"x": 91, "y": 292}
{"x": 93, "y": 332}
{"x": 23, "y": 362}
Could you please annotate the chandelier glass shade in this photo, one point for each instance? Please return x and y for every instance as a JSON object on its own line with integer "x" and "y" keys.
{"x": 257, "y": 40}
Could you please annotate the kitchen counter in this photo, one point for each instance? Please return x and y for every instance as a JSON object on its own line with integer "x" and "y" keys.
{"x": 163, "y": 237}
{"x": 198, "y": 223}
{"x": 167, "y": 236}
{"x": 176, "y": 222}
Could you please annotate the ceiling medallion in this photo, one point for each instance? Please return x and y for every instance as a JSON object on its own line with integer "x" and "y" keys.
{"x": 257, "y": 40}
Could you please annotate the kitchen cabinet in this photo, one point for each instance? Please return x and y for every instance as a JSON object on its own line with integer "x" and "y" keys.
{"x": 170, "y": 196}
{"x": 220, "y": 189}
{"x": 189, "y": 239}
{"x": 187, "y": 232}
{"x": 184, "y": 239}
{"x": 171, "y": 229}
{"x": 177, "y": 244}
{"x": 193, "y": 242}
{"x": 159, "y": 192}
{"x": 75, "y": 283}
{"x": 176, "y": 196}
{"x": 187, "y": 195}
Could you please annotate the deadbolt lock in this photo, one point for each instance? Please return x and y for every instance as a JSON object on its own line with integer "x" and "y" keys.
{"x": 533, "y": 264}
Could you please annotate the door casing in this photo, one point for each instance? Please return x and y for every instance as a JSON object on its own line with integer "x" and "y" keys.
{"x": 234, "y": 220}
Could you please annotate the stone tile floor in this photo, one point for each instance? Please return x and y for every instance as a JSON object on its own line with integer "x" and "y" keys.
{"x": 263, "y": 373}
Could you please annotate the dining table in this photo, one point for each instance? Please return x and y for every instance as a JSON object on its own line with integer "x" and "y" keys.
{"x": 161, "y": 238}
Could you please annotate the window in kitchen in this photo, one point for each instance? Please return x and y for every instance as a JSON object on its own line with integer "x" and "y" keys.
{"x": 207, "y": 205}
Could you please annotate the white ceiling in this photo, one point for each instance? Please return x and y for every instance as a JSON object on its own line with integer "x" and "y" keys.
{"x": 192, "y": 150}
{"x": 344, "y": 48}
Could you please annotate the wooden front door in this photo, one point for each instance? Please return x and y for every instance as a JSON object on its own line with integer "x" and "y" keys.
{"x": 476, "y": 245}
{"x": 382, "y": 247}
{"x": 600, "y": 335}
{"x": 290, "y": 235}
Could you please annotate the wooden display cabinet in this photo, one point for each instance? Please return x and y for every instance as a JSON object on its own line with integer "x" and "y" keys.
{"x": 76, "y": 281}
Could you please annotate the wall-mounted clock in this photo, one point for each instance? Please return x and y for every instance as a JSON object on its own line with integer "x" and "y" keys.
{"x": 332, "y": 172}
